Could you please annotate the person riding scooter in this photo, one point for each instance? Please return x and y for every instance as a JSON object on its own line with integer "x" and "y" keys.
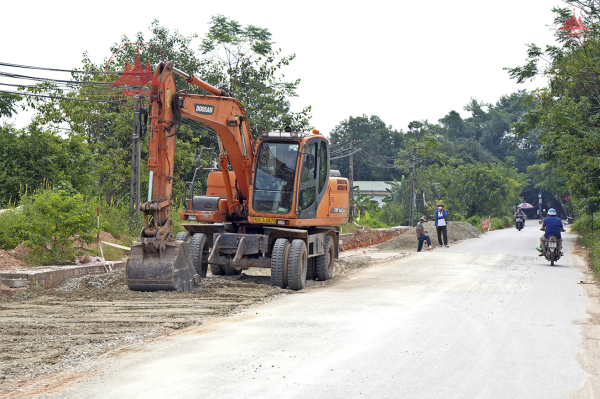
{"x": 520, "y": 214}
{"x": 552, "y": 226}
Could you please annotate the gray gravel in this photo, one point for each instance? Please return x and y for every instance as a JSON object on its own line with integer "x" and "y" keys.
{"x": 457, "y": 231}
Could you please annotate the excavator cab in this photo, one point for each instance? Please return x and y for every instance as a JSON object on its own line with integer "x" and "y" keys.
{"x": 275, "y": 177}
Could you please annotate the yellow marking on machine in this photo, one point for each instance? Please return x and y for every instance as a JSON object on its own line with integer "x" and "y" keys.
{"x": 265, "y": 220}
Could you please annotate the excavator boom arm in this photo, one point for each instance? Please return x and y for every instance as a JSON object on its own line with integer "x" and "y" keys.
{"x": 226, "y": 115}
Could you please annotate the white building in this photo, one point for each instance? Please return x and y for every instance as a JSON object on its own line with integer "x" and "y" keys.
{"x": 375, "y": 189}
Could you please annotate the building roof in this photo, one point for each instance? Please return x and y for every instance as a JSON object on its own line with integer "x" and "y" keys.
{"x": 367, "y": 187}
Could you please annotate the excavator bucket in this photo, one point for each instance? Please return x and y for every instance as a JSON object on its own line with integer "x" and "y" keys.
{"x": 166, "y": 268}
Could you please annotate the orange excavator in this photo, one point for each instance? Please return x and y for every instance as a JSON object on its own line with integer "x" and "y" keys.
{"x": 279, "y": 208}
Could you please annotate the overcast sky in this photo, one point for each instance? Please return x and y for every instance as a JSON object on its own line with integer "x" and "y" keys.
{"x": 401, "y": 61}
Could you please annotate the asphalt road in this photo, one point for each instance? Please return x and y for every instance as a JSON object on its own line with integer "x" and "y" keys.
{"x": 486, "y": 318}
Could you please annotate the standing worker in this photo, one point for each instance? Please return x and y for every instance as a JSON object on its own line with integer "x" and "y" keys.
{"x": 421, "y": 234}
{"x": 441, "y": 221}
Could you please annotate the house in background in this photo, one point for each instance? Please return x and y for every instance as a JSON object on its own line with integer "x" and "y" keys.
{"x": 376, "y": 189}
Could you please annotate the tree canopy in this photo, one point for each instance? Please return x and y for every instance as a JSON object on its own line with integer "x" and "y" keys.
{"x": 569, "y": 108}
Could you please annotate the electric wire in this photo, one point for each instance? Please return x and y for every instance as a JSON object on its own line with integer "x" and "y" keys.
{"x": 54, "y": 69}
{"x": 346, "y": 155}
{"x": 62, "y": 98}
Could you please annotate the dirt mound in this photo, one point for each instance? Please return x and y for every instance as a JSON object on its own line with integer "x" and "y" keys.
{"x": 9, "y": 262}
{"x": 366, "y": 237}
{"x": 457, "y": 231}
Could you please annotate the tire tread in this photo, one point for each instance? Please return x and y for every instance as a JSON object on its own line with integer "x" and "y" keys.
{"x": 278, "y": 262}
{"x": 296, "y": 279}
{"x": 322, "y": 261}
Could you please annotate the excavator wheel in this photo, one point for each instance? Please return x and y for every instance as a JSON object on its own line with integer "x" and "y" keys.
{"x": 199, "y": 248}
{"x": 182, "y": 236}
{"x": 217, "y": 270}
{"x": 297, "y": 264}
{"x": 279, "y": 260}
{"x": 324, "y": 263}
{"x": 230, "y": 271}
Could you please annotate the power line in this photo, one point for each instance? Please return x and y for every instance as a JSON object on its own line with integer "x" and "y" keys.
{"x": 61, "y": 98}
{"x": 346, "y": 155}
{"x": 47, "y": 80}
{"x": 54, "y": 69}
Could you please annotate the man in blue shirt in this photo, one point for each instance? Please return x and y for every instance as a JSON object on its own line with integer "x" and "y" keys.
{"x": 441, "y": 221}
{"x": 552, "y": 226}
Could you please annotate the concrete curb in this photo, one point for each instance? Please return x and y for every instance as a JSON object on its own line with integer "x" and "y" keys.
{"x": 52, "y": 276}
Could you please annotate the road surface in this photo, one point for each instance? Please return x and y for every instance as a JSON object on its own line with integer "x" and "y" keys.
{"x": 485, "y": 318}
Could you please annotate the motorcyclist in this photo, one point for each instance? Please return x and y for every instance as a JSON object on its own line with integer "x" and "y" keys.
{"x": 520, "y": 214}
{"x": 552, "y": 226}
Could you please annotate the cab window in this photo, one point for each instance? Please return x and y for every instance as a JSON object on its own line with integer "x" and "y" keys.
{"x": 322, "y": 166}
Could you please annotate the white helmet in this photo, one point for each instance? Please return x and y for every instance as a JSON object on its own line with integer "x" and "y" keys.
{"x": 552, "y": 212}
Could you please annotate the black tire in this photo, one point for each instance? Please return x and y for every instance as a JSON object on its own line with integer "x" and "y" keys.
{"x": 199, "y": 247}
{"x": 216, "y": 270}
{"x": 297, "y": 264}
{"x": 324, "y": 263}
{"x": 279, "y": 262}
{"x": 182, "y": 236}
{"x": 551, "y": 258}
{"x": 230, "y": 271}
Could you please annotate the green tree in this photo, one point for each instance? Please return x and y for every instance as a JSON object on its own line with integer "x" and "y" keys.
{"x": 253, "y": 72}
{"x": 379, "y": 146}
{"x": 476, "y": 189}
{"x": 569, "y": 113}
{"x": 35, "y": 157}
{"x": 7, "y": 104}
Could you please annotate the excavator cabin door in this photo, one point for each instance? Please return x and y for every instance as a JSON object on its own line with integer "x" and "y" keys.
{"x": 314, "y": 176}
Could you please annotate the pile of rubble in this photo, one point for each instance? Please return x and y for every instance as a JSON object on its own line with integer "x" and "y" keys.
{"x": 457, "y": 231}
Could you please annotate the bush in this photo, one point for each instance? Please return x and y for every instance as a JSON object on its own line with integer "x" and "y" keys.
{"x": 13, "y": 228}
{"x": 58, "y": 225}
{"x": 496, "y": 223}
{"x": 589, "y": 239}
{"x": 501, "y": 223}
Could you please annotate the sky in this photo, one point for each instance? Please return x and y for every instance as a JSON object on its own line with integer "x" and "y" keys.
{"x": 401, "y": 61}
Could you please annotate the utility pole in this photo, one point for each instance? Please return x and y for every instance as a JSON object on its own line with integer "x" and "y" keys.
{"x": 413, "y": 191}
{"x": 351, "y": 178}
{"x": 134, "y": 193}
{"x": 540, "y": 203}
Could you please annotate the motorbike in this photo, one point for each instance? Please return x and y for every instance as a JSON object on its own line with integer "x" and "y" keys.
{"x": 552, "y": 252}
{"x": 519, "y": 223}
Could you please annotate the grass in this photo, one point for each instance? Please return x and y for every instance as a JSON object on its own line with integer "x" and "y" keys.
{"x": 589, "y": 236}
{"x": 496, "y": 223}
